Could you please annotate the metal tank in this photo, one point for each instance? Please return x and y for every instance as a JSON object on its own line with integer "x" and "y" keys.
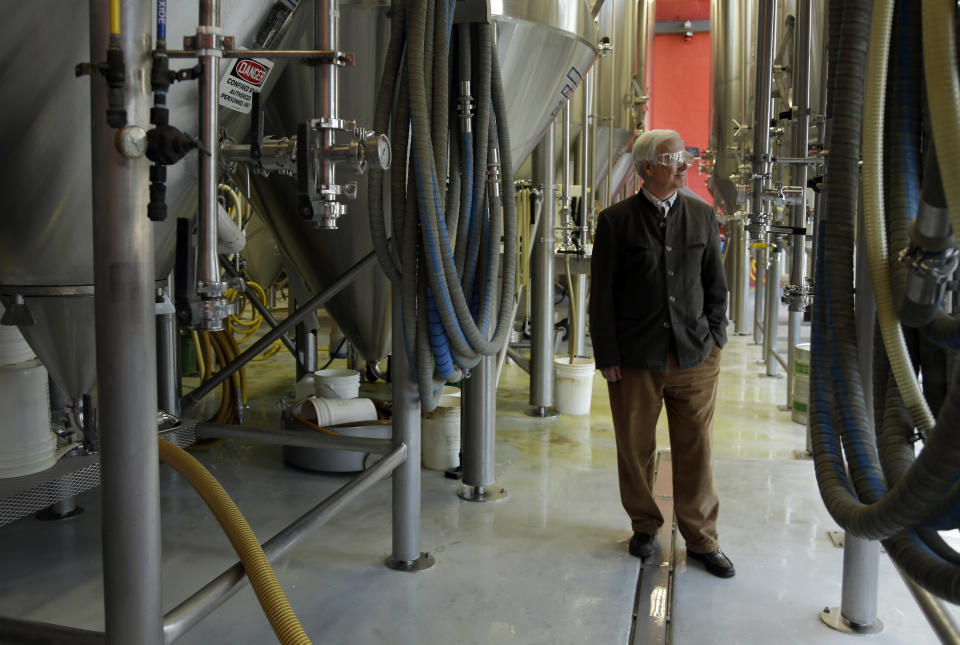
{"x": 46, "y": 243}
{"x": 544, "y": 49}
{"x": 623, "y": 86}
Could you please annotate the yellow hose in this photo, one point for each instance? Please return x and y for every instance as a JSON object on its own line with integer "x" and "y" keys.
{"x": 873, "y": 206}
{"x": 115, "y": 17}
{"x": 269, "y": 592}
{"x": 200, "y": 358}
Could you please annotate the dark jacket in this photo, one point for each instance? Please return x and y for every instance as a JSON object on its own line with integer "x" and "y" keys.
{"x": 656, "y": 280}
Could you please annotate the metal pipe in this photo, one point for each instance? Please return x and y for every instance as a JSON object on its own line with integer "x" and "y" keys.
{"x": 772, "y": 312}
{"x": 760, "y": 264}
{"x": 28, "y": 632}
{"x": 195, "y": 608}
{"x": 766, "y": 45}
{"x": 612, "y": 57}
{"x": 209, "y": 52}
{"x": 126, "y": 345}
{"x": 168, "y": 357}
{"x": 306, "y": 347}
{"x": 578, "y": 334}
{"x": 861, "y": 571}
{"x": 478, "y": 415}
{"x": 939, "y": 616}
{"x": 801, "y": 145}
{"x": 741, "y": 277}
{"x": 586, "y": 162}
{"x": 522, "y": 361}
{"x": 541, "y": 281}
{"x": 261, "y": 307}
{"x": 301, "y": 438}
{"x": 326, "y": 35}
{"x": 567, "y": 174}
{"x": 406, "y": 431}
{"x": 254, "y": 350}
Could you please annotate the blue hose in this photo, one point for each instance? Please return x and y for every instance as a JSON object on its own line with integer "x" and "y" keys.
{"x": 161, "y": 19}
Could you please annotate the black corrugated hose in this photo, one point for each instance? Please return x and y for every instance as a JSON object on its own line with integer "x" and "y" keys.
{"x": 923, "y": 491}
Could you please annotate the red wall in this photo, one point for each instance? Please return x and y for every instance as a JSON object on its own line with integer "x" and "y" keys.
{"x": 680, "y": 92}
{"x": 683, "y": 10}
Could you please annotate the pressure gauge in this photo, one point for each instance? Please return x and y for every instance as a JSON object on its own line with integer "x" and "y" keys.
{"x": 377, "y": 150}
{"x": 131, "y": 141}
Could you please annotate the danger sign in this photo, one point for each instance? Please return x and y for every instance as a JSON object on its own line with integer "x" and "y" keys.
{"x": 244, "y": 77}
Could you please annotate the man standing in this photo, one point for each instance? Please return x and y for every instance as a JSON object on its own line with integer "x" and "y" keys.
{"x": 658, "y": 304}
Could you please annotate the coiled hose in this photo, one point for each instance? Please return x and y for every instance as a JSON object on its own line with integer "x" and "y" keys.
{"x": 449, "y": 294}
{"x": 916, "y": 501}
{"x": 269, "y": 592}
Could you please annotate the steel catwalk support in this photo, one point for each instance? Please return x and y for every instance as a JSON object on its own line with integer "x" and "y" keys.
{"x": 168, "y": 356}
{"x": 406, "y": 555}
{"x": 801, "y": 145}
{"x": 216, "y": 592}
{"x": 479, "y": 434}
{"x": 209, "y": 285}
{"x": 771, "y": 323}
{"x": 346, "y": 278}
{"x": 541, "y": 282}
{"x": 937, "y": 613}
{"x": 126, "y": 344}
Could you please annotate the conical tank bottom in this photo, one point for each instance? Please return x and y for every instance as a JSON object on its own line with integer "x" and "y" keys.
{"x": 63, "y": 338}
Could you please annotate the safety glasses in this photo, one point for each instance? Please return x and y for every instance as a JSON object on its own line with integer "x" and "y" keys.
{"x": 674, "y": 159}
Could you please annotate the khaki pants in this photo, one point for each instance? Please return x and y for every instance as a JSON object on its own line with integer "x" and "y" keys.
{"x": 690, "y": 395}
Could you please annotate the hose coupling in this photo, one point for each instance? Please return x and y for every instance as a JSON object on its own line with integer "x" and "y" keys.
{"x": 466, "y": 107}
{"x": 931, "y": 259}
{"x": 493, "y": 172}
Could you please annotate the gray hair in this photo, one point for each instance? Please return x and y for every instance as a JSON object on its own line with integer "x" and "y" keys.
{"x": 645, "y": 147}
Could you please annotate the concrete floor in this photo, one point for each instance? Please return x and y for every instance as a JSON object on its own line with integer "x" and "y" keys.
{"x": 547, "y": 565}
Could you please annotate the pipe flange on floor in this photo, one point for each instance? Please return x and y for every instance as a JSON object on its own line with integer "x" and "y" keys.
{"x": 425, "y": 561}
{"x": 481, "y": 493}
{"x": 832, "y": 617}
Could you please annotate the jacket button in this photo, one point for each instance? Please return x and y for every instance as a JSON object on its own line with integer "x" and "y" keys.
{"x": 666, "y": 325}
{"x": 669, "y": 248}
{"x": 670, "y": 273}
{"x": 672, "y": 299}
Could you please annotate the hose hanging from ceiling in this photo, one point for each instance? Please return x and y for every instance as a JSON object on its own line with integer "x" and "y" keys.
{"x": 868, "y": 477}
{"x": 456, "y": 182}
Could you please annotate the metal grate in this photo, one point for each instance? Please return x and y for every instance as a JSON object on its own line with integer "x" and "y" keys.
{"x": 70, "y": 476}
{"x": 49, "y": 492}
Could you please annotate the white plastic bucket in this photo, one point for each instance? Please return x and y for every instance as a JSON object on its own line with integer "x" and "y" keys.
{"x": 328, "y": 412}
{"x": 800, "y": 396}
{"x": 573, "y": 384}
{"x": 440, "y": 435}
{"x": 13, "y": 348}
{"x": 27, "y": 445}
{"x": 337, "y": 384}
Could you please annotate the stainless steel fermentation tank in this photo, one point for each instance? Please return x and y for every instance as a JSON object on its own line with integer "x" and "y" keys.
{"x": 544, "y": 48}
{"x": 46, "y": 249}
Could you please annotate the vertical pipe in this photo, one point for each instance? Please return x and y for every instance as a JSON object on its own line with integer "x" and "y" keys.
{"x": 760, "y": 263}
{"x": 168, "y": 356}
{"x": 861, "y": 570}
{"x": 479, "y": 413}
{"x": 326, "y": 35}
{"x": 578, "y": 335}
{"x": 125, "y": 337}
{"x": 208, "y": 262}
{"x": 742, "y": 277}
{"x": 771, "y": 322}
{"x": 541, "y": 283}
{"x": 801, "y": 145}
{"x": 567, "y": 174}
{"x": 305, "y": 339}
{"x": 586, "y": 163}
{"x": 766, "y": 45}
{"x": 406, "y": 429}
{"x": 861, "y": 558}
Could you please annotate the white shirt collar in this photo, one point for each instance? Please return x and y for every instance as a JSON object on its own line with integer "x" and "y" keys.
{"x": 660, "y": 203}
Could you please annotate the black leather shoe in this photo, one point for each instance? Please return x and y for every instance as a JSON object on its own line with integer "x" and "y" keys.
{"x": 641, "y": 545}
{"x": 715, "y": 562}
